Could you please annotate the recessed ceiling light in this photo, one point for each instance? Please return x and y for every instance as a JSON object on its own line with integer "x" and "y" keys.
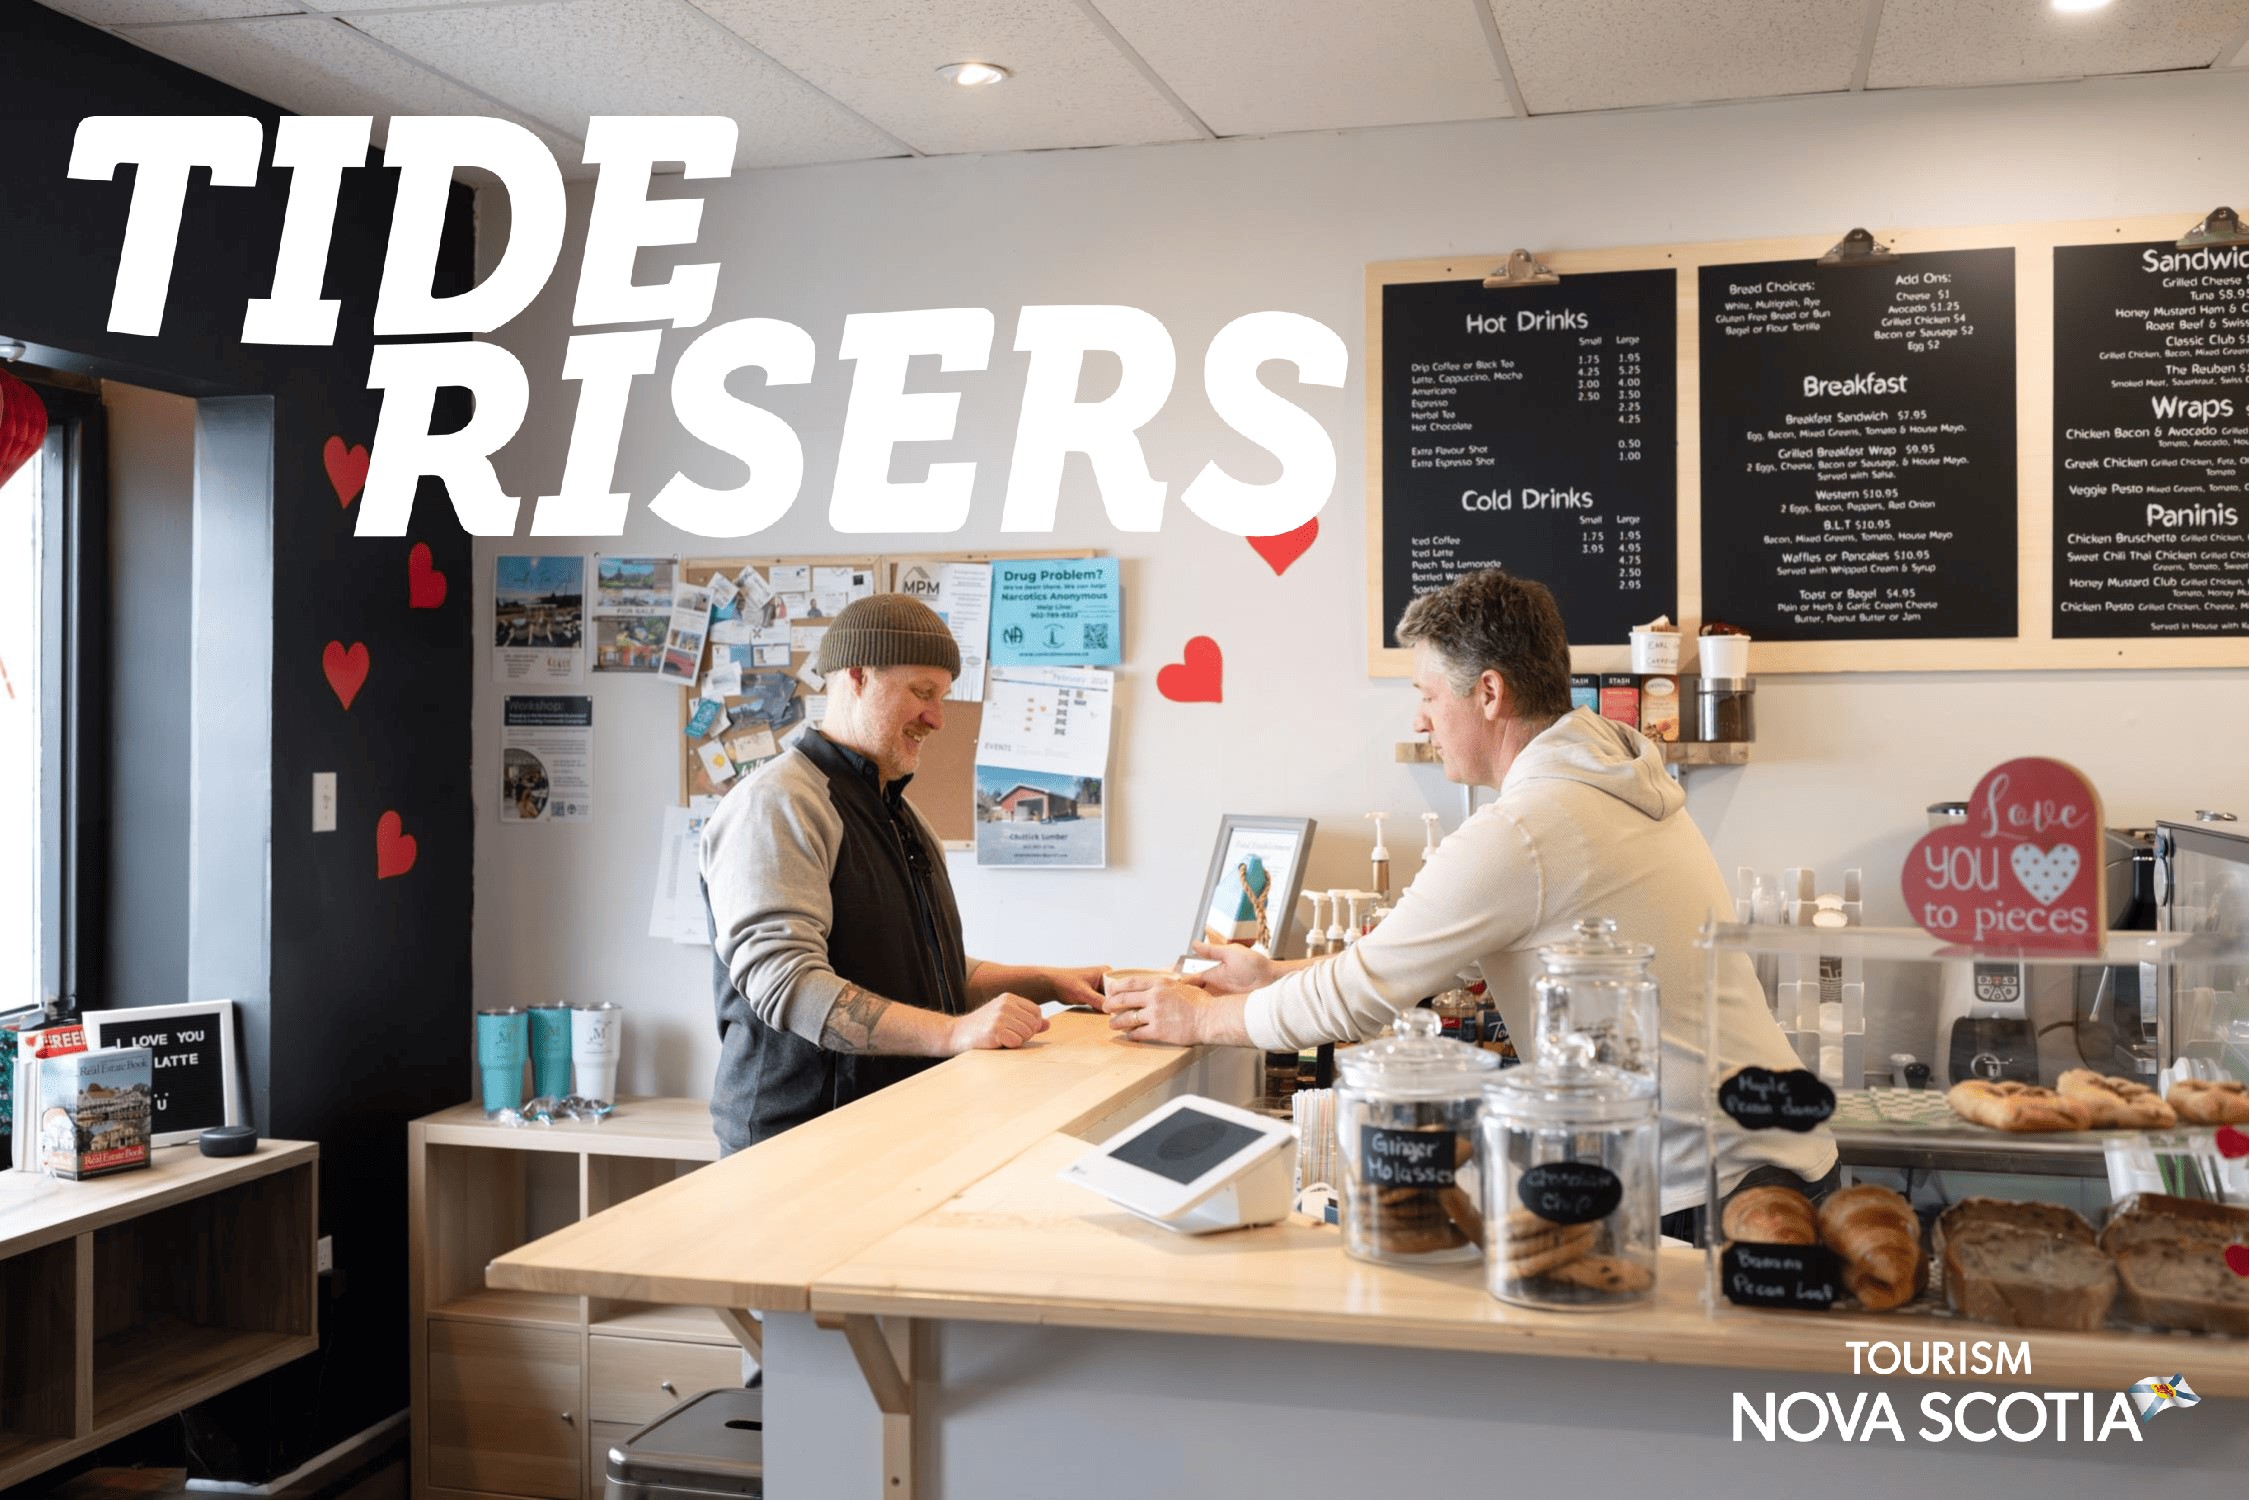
{"x": 973, "y": 75}
{"x": 2067, "y": 6}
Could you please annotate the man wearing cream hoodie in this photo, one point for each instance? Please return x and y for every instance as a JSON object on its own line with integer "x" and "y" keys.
{"x": 1587, "y": 825}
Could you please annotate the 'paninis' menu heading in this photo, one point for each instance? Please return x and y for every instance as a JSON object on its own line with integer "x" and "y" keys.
{"x": 428, "y": 150}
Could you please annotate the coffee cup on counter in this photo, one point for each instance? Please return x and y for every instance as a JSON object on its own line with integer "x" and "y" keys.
{"x": 1724, "y": 655}
{"x": 1141, "y": 979}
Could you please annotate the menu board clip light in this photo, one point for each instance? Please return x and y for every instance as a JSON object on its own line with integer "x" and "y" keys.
{"x": 2222, "y": 226}
{"x": 1521, "y": 270}
{"x": 1858, "y": 248}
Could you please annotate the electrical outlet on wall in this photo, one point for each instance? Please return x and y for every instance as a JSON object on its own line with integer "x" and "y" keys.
{"x": 324, "y": 802}
{"x": 324, "y": 1256}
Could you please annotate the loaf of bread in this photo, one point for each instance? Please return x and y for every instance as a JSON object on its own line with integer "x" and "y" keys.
{"x": 1770, "y": 1216}
{"x": 2184, "y": 1284}
{"x": 2026, "y": 1278}
{"x": 1879, "y": 1241}
{"x": 2206, "y": 1101}
{"x": 2159, "y": 1216}
{"x": 2116, "y": 1103}
{"x": 2051, "y": 1219}
{"x": 2016, "y": 1106}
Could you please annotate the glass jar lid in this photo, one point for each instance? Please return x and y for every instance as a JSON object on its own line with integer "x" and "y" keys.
{"x": 1594, "y": 946}
{"x": 1415, "y": 1060}
{"x": 1592, "y": 1094}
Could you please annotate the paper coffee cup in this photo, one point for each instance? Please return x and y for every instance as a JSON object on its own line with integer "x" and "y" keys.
{"x": 1114, "y": 975}
{"x": 1656, "y": 652}
{"x": 1724, "y": 655}
{"x": 597, "y": 1034}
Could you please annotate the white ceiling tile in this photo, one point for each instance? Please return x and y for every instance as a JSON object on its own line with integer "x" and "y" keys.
{"x": 320, "y": 67}
{"x": 568, "y": 60}
{"x": 1260, "y": 67}
{"x": 1072, "y": 86}
{"x": 1617, "y": 54}
{"x": 134, "y": 12}
{"x": 1951, "y": 42}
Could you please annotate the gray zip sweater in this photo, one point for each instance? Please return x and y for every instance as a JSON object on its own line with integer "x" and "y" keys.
{"x": 818, "y": 879}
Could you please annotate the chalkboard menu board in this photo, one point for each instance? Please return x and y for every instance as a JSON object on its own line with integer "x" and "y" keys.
{"x": 1859, "y": 447}
{"x": 2151, "y": 360}
{"x": 1533, "y": 429}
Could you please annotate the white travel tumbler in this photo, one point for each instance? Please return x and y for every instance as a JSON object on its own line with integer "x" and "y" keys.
{"x": 597, "y": 1032}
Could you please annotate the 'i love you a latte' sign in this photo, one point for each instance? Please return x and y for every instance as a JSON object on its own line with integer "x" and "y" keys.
{"x": 2025, "y": 870}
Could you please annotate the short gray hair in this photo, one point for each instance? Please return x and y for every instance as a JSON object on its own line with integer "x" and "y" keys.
{"x": 1490, "y": 621}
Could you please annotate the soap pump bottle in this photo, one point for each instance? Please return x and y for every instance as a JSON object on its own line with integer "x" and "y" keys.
{"x": 1316, "y": 936}
{"x": 1429, "y": 836}
{"x": 1380, "y": 858}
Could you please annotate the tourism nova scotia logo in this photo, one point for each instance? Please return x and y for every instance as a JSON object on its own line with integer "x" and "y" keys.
{"x": 2019, "y": 1415}
{"x": 2154, "y": 1393}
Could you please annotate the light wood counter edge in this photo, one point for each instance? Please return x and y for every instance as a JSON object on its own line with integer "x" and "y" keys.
{"x": 57, "y": 1209}
{"x": 1674, "y": 1331}
{"x": 1009, "y": 1107}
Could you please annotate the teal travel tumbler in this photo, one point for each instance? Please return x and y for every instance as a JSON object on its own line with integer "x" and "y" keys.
{"x": 550, "y": 1051}
{"x": 503, "y": 1040}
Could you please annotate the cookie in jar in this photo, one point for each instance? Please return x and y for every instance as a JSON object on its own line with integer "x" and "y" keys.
{"x": 1406, "y": 1113}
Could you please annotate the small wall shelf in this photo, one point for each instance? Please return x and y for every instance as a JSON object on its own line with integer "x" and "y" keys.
{"x": 126, "y": 1299}
{"x": 1676, "y": 752}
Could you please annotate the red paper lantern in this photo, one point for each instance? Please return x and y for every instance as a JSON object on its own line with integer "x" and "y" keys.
{"x": 23, "y": 424}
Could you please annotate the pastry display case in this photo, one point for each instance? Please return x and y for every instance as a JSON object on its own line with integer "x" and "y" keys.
{"x": 2095, "y": 1201}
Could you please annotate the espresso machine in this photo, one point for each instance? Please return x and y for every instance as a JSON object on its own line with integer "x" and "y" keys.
{"x": 2028, "y": 1023}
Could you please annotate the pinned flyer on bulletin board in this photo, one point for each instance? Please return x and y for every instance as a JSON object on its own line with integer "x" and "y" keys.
{"x": 632, "y": 601}
{"x": 546, "y": 760}
{"x": 1057, "y": 611}
{"x": 961, "y": 593}
{"x": 538, "y": 619}
{"x": 1042, "y": 768}
{"x": 677, "y": 912}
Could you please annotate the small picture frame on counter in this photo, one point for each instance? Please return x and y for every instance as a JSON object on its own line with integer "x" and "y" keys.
{"x": 192, "y": 1062}
{"x": 1234, "y": 907}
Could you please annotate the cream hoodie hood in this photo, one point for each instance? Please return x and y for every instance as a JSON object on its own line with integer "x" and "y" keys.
{"x": 1588, "y": 824}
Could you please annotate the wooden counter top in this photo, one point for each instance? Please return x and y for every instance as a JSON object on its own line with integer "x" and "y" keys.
{"x": 1023, "y": 1246}
{"x": 758, "y": 1228}
{"x": 938, "y": 1198}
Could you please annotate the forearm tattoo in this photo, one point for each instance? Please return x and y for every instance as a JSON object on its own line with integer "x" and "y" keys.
{"x": 850, "y": 1026}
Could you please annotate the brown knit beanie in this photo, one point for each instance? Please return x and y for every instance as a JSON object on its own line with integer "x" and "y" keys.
{"x": 888, "y": 630}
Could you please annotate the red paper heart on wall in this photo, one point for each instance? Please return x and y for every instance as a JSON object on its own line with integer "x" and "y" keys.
{"x": 347, "y": 468}
{"x": 425, "y": 585}
{"x": 1280, "y": 551}
{"x": 2238, "y": 1259}
{"x": 2025, "y": 870}
{"x": 345, "y": 669}
{"x": 1195, "y": 677}
{"x": 2232, "y": 1143}
{"x": 394, "y": 850}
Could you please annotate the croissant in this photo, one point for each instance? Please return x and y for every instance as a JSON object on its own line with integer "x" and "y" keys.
{"x": 1879, "y": 1240}
{"x": 1770, "y": 1216}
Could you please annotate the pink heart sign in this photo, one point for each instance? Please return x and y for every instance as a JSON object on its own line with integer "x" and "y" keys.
{"x": 2023, "y": 873}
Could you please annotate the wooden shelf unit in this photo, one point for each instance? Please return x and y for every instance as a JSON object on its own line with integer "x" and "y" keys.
{"x": 520, "y": 1393}
{"x": 126, "y": 1299}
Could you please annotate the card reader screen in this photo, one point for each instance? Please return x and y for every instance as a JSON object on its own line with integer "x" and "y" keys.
{"x": 1187, "y": 1145}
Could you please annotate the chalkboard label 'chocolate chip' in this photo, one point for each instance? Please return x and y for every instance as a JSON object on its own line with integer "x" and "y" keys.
{"x": 1800, "y": 1276}
{"x": 1407, "y": 1158}
{"x": 1570, "y": 1192}
{"x": 1761, "y": 1099}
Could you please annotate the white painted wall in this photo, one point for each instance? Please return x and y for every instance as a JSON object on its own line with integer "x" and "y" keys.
{"x": 1197, "y": 235}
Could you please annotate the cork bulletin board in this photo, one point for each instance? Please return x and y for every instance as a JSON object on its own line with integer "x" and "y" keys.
{"x": 944, "y": 790}
{"x": 695, "y": 781}
{"x": 1995, "y": 553}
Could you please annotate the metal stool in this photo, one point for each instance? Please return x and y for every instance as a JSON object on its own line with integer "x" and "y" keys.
{"x": 710, "y": 1445}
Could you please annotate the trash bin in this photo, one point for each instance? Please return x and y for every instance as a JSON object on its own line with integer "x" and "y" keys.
{"x": 709, "y": 1445}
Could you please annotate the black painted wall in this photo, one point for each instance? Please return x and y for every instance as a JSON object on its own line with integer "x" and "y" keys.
{"x": 370, "y": 988}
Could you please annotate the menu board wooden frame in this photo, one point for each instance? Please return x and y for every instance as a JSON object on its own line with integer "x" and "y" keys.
{"x": 2033, "y": 646}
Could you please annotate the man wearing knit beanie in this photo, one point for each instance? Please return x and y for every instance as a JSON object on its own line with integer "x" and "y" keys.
{"x": 838, "y": 967}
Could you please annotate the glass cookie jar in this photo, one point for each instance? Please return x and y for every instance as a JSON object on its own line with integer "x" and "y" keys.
{"x": 1406, "y": 1114}
{"x": 1571, "y": 1143}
